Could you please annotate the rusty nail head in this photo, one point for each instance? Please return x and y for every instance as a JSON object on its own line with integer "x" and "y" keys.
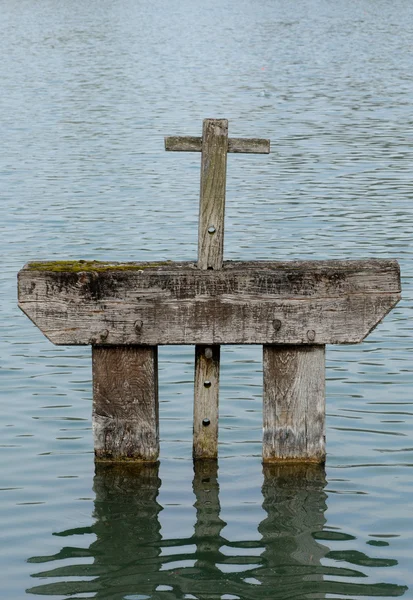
{"x": 276, "y": 324}
{"x": 311, "y": 335}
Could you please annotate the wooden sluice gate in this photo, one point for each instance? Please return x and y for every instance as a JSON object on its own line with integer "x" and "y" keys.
{"x": 126, "y": 310}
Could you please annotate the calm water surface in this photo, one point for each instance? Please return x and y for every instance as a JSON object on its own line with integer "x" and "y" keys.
{"x": 89, "y": 89}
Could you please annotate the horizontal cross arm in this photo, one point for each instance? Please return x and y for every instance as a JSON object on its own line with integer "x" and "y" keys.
{"x": 235, "y": 145}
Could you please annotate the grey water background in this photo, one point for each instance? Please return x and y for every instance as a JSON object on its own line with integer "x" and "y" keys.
{"x": 88, "y": 90}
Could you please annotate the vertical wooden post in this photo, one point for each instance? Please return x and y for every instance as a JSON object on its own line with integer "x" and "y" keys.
{"x": 210, "y": 256}
{"x": 214, "y": 146}
{"x": 212, "y": 197}
{"x": 206, "y": 401}
{"x": 294, "y": 403}
{"x": 125, "y": 403}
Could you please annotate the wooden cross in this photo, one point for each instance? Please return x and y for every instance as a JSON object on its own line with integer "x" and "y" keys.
{"x": 126, "y": 310}
{"x": 214, "y": 146}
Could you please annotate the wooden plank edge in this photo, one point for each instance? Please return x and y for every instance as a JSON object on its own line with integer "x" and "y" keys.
{"x": 324, "y": 267}
{"x": 395, "y": 303}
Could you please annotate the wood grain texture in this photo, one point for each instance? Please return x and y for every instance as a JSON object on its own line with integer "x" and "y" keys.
{"x": 212, "y": 196}
{"x": 235, "y": 145}
{"x": 294, "y": 403}
{"x": 125, "y": 403}
{"x": 206, "y": 399}
{"x": 321, "y": 302}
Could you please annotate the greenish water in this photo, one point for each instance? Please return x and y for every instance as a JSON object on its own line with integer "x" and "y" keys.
{"x": 88, "y": 92}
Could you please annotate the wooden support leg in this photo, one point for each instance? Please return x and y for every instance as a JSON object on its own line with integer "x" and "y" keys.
{"x": 125, "y": 403}
{"x": 294, "y": 403}
{"x": 206, "y": 397}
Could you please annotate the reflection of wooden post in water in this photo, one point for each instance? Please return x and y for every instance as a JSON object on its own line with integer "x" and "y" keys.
{"x": 126, "y": 553}
{"x": 208, "y": 526}
{"x": 126, "y": 560}
{"x": 127, "y": 528}
{"x": 127, "y": 557}
{"x": 295, "y": 502}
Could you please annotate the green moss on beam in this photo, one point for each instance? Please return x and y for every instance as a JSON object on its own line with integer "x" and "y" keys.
{"x": 78, "y": 266}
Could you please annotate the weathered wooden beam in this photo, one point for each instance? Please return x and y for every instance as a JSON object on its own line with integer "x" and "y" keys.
{"x": 294, "y": 404}
{"x": 125, "y": 403}
{"x": 235, "y": 145}
{"x": 299, "y": 302}
{"x": 206, "y": 399}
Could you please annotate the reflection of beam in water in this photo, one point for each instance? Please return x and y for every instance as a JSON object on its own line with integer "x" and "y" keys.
{"x": 129, "y": 557}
